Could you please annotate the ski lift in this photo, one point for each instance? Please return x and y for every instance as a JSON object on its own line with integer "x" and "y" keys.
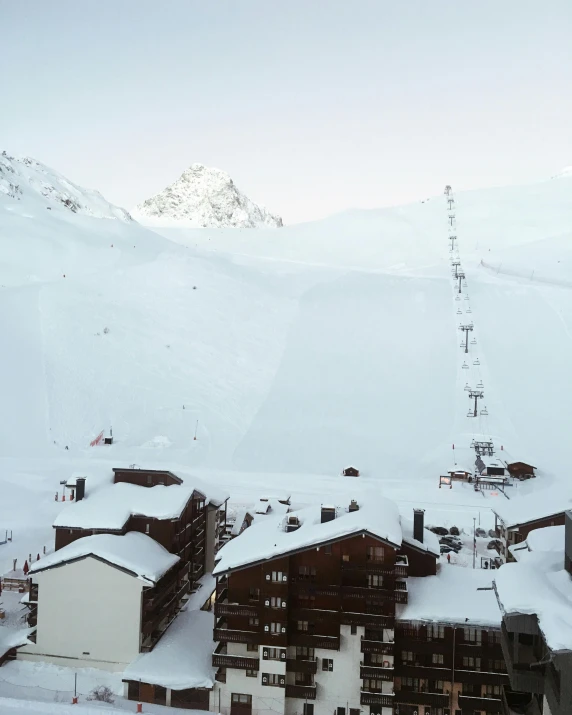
{"x": 470, "y": 413}
{"x": 465, "y": 366}
{"x": 476, "y": 362}
{"x": 459, "y": 312}
{"x": 467, "y": 387}
{"x": 464, "y": 284}
{"x": 484, "y": 412}
{"x": 468, "y": 310}
{"x": 457, "y": 298}
{"x": 472, "y": 443}
{"x": 474, "y": 341}
{"x": 466, "y": 297}
{"x": 480, "y": 385}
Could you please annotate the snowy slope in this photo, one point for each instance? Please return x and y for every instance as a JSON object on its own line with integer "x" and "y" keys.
{"x": 333, "y": 342}
{"x": 205, "y": 197}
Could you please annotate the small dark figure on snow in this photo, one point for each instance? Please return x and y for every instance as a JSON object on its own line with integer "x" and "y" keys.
{"x": 448, "y": 558}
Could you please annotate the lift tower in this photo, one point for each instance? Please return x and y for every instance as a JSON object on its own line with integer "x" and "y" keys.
{"x": 466, "y": 329}
{"x": 452, "y": 239}
{"x": 475, "y": 395}
{"x": 461, "y": 277}
{"x": 456, "y": 265}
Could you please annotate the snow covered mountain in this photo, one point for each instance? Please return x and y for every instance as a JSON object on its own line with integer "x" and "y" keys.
{"x": 205, "y": 197}
{"x": 23, "y": 177}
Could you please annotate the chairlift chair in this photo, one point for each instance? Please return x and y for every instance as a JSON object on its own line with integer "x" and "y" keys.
{"x": 459, "y": 312}
{"x": 467, "y": 387}
{"x": 484, "y": 411}
{"x": 470, "y": 413}
{"x": 457, "y": 298}
{"x": 468, "y": 310}
{"x": 466, "y": 297}
{"x": 480, "y": 385}
{"x": 476, "y": 362}
{"x": 474, "y": 341}
{"x": 465, "y": 366}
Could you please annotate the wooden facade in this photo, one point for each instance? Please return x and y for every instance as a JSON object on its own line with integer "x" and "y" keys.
{"x": 517, "y": 533}
{"x": 298, "y": 602}
{"x": 448, "y": 666}
{"x": 520, "y": 470}
{"x": 145, "y": 477}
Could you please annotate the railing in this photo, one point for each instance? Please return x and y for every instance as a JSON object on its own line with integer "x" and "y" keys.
{"x": 309, "y": 667}
{"x": 313, "y": 589}
{"x": 438, "y": 700}
{"x": 232, "y": 636}
{"x": 370, "y": 567}
{"x": 489, "y": 705}
{"x": 224, "y": 660}
{"x": 308, "y": 692}
{"x": 235, "y": 609}
{"x": 314, "y": 641}
{"x": 366, "y": 619}
{"x": 369, "y": 698}
{"x": 370, "y": 646}
{"x": 379, "y": 673}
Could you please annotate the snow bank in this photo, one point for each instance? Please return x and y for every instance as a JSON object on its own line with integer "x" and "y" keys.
{"x": 455, "y": 595}
{"x": 9, "y": 706}
{"x": 538, "y": 505}
{"x": 13, "y": 638}
{"x": 133, "y": 551}
{"x": 267, "y": 538}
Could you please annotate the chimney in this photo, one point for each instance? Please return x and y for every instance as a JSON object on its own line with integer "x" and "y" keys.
{"x": 79, "y": 488}
{"x": 568, "y": 541}
{"x": 328, "y": 513}
{"x": 354, "y": 506}
{"x": 418, "y": 524}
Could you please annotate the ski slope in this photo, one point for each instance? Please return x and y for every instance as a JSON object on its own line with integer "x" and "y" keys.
{"x": 289, "y": 353}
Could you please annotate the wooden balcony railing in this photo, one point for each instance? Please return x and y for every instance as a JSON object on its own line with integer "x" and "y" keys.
{"x": 489, "y": 705}
{"x": 223, "y": 660}
{"x": 314, "y": 641}
{"x": 307, "y": 692}
{"x": 369, "y": 698}
{"x": 371, "y": 646}
{"x": 369, "y": 620}
{"x": 438, "y": 700}
{"x": 233, "y": 636}
{"x": 302, "y": 666}
{"x": 235, "y": 609}
{"x": 373, "y": 671}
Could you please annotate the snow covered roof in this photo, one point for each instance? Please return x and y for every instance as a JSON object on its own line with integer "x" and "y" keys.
{"x": 267, "y": 538}
{"x": 13, "y": 638}
{"x": 110, "y": 507}
{"x": 533, "y": 506}
{"x": 452, "y": 596}
{"x": 270, "y": 506}
{"x": 241, "y": 515}
{"x": 430, "y": 540}
{"x": 133, "y": 551}
{"x": 183, "y": 657}
{"x": 538, "y": 586}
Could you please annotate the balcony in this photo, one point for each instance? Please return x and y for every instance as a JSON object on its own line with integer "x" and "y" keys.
{"x": 489, "y": 705}
{"x": 309, "y": 667}
{"x": 222, "y": 660}
{"x": 371, "y": 646}
{"x": 235, "y": 609}
{"x": 307, "y": 587}
{"x": 314, "y": 641}
{"x": 401, "y": 566}
{"x": 369, "y": 698}
{"x": 372, "y": 594}
{"x": 306, "y": 692}
{"x": 223, "y": 633}
{"x": 437, "y": 700}
{"x": 377, "y": 672}
{"x": 373, "y": 567}
{"x": 369, "y": 620}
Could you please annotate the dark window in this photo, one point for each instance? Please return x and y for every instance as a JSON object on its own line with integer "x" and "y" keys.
{"x": 375, "y": 553}
{"x": 355, "y": 711}
{"x": 251, "y": 647}
{"x": 308, "y": 709}
{"x": 328, "y": 549}
{"x": 251, "y": 673}
{"x": 341, "y": 711}
{"x": 354, "y": 632}
{"x": 327, "y": 664}
{"x": 241, "y": 699}
{"x": 254, "y": 594}
{"x": 302, "y": 625}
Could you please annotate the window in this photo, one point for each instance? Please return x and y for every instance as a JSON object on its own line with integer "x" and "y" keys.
{"x": 251, "y": 673}
{"x": 345, "y": 557}
{"x": 241, "y": 699}
{"x": 499, "y": 666}
{"x": 492, "y": 691}
{"x": 308, "y": 709}
{"x": 252, "y": 647}
{"x": 354, "y": 630}
{"x": 435, "y": 632}
{"x": 355, "y": 711}
{"x": 272, "y": 679}
{"x": 278, "y": 576}
{"x": 436, "y": 686}
{"x": 406, "y": 656}
{"x": 253, "y": 622}
{"x": 254, "y": 594}
{"x": 304, "y": 653}
{"x": 275, "y": 602}
{"x": 495, "y": 637}
{"x": 472, "y": 635}
{"x": 374, "y": 580}
{"x": 375, "y": 553}
{"x": 272, "y": 653}
{"x": 307, "y": 572}
{"x": 437, "y": 659}
{"x": 341, "y": 711}
{"x": 471, "y": 663}
{"x": 276, "y": 628}
{"x": 147, "y": 527}
{"x": 327, "y": 664}
{"x": 411, "y": 684}
{"x": 378, "y": 658}
{"x": 372, "y": 685}
{"x": 328, "y": 549}
{"x": 302, "y": 626}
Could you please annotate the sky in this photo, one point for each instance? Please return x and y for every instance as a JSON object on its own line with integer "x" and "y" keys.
{"x": 312, "y": 106}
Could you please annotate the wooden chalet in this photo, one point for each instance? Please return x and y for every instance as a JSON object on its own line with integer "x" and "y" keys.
{"x": 350, "y": 472}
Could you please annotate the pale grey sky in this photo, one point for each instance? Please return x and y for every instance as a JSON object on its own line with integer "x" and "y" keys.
{"x": 312, "y": 106}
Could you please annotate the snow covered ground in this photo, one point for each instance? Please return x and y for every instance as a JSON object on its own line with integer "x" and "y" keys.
{"x": 290, "y": 354}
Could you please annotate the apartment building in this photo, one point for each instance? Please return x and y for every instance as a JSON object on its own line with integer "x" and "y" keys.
{"x": 306, "y": 609}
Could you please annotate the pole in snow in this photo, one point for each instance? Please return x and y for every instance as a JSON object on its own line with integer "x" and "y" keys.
{"x": 460, "y": 276}
{"x": 196, "y": 428}
{"x": 452, "y": 239}
{"x": 476, "y": 395}
{"x": 474, "y": 542}
{"x": 466, "y": 328}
